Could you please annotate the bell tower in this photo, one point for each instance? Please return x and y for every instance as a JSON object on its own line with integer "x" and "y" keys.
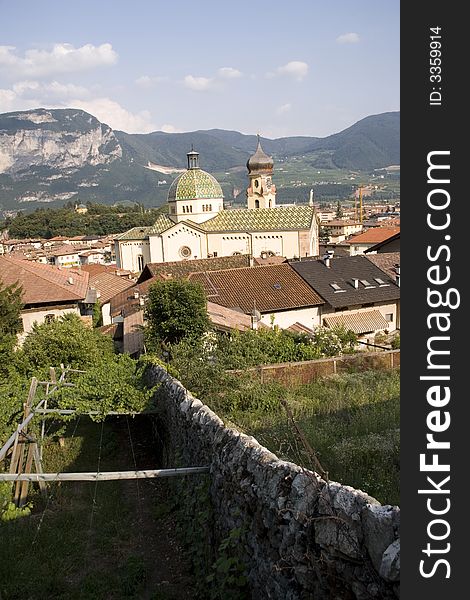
{"x": 261, "y": 192}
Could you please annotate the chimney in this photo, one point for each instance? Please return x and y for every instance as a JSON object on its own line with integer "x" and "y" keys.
{"x": 355, "y": 283}
{"x": 70, "y": 280}
{"x": 327, "y": 257}
{"x": 397, "y": 271}
{"x": 136, "y": 294}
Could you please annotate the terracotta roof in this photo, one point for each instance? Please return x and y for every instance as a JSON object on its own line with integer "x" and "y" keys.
{"x": 108, "y": 285}
{"x": 270, "y": 288}
{"x": 182, "y": 268}
{"x": 93, "y": 269}
{"x": 270, "y": 260}
{"x": 67, "y": 249}
{"x": 386, "y": 261}
{"x": 336, "y": 283}
{"x": 373, "y": 235}
{"x": 43, "y": 283}
{"x": 361, "y": 322}
{"x": 376, "y": 247}
{"x": 227, "y": 319}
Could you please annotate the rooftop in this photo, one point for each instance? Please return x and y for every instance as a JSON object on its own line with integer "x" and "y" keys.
{"x": 374, "y": 235}
{"x": 261, "y": 219}
{"x": 43, "y": 284}
{"x": 385, "y": 261}
{"x": 336, "y": 283}
{"x": 267, "y": 288}
{"x": 108, "y": 285}
{"x": 182, "y": 268}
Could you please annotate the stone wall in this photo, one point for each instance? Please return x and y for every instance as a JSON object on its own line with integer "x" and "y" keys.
{"x": 303, "y": 538}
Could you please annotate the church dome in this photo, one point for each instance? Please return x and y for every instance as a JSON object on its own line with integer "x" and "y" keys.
{"x": 260, "y": 161}
{"x": 194, "y": 183}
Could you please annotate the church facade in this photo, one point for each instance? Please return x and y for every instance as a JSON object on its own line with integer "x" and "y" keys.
{"x": 198, "y": 226}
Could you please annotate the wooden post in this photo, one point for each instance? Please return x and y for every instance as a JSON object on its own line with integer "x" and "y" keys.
{"x": 38, "y": 464}
{"x": 21, "y": 451}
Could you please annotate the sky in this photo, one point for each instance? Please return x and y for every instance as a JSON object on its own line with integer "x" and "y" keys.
{"x": 278, "y": 68}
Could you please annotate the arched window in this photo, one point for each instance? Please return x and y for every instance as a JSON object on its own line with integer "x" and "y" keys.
{"x": 256, "y": 203}
{"x": 140, "y": 262}
{"x": 210, "y": 207}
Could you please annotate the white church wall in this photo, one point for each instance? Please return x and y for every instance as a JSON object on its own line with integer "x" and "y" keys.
{"x": 227, "y": 244}
{"x": 128, "y": 253}
{"x": 182, "y": 242}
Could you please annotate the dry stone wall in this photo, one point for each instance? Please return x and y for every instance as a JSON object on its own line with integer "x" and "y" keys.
{"x": 303, "y": 537}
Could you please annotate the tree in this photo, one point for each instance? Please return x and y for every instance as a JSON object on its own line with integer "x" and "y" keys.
{"x": 339, "y": 211}
{"x": 176, "y": 310}
{"x": 10, "y": 320}
{"x": 65, "y": 340}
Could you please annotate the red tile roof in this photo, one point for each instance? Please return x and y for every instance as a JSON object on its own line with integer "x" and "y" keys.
{"x": 270, "y": 288}
{"x": 108, "y": 285}
{"x": 43, "y": 283}
{"x": 373, "y": 235}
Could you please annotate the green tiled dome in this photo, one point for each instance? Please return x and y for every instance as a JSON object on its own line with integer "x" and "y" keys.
{"x": 193, "y": 184}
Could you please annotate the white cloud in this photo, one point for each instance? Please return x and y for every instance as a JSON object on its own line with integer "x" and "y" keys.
{"x": 199, "y": 84}
{"x": 63, "y": 58}
{"x": 27, "y": 95}
{"x": 348, "y": 38}
{"x": 167, "y": 128}
{"x": 229, "y": 73}
{"x": 296, "y": 69}
{"x": 7, "y": 100}
{"x": 113, "y": 114}
{"x": 284, "y": 108}
{"x": 54, "y": 89}
{"x": 147, "y": 82}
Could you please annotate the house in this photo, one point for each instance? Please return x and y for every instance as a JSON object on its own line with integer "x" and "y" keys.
{"x": 340, "y": 229}
{"x": 48, "y": 292}
{"x": 274, "y": 294}
{"x": 198, "y": 226}
{"x": 66, "y": 255}
{"x": 365, "y": 240}
{"x": 107, "y": 285}
{"x": 357, "y": 293}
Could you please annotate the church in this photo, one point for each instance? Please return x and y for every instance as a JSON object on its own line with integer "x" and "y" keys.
{"x": 198, "y": 226}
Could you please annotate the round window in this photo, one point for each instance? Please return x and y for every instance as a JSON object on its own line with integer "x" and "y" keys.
{"x": 185, "y": 251}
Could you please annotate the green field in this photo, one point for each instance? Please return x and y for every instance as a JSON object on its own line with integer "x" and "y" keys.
{"x": 351, "y": 421}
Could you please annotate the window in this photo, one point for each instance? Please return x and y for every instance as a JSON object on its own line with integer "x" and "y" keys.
{"x": 185, "y": 251}
{"x": 214, "y": 254}
{"x": 140, "y": 262}
{"x": 49, "y": 318}
{"x": 389, "y": 317}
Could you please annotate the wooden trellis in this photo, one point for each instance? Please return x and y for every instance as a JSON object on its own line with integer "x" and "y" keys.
{"x": 24, "y": 450}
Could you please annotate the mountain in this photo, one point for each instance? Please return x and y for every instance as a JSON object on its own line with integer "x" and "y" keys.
{"x": 53, "y": 156}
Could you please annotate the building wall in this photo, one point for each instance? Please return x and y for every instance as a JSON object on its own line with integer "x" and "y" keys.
{"x": 128, "y": 251}
{"x": 68, "y": 260}
{"x": 198, "y": 210}
{"x": 180, "y": 237}
{"x": 29, "y": 317}
{"x": 310, "y": 317}
{"x": 355, "y": 249}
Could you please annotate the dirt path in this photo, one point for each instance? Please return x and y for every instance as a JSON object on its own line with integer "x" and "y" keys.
{"x": 155, "y": 525}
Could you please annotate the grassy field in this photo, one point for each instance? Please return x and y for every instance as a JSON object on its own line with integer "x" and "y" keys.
{"x": 91, "y": 541}
{"x": 352, "y": 422}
